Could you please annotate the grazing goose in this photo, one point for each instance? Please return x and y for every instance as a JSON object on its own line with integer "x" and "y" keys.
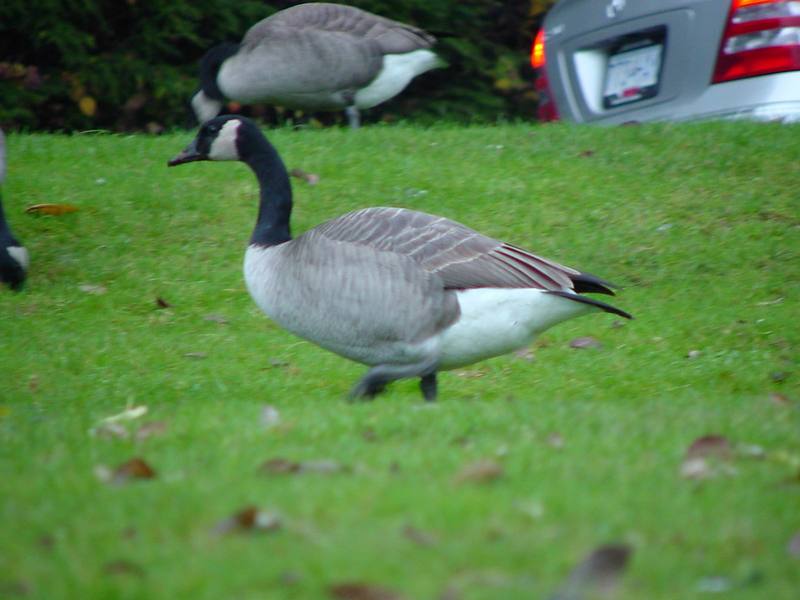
{"x": 315, "y": 56}
{"x": 404, "y": 292}
{"x": 13, "y": 255}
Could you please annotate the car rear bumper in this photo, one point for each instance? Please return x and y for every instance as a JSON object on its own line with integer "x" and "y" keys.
{"x": 773, "y": 97}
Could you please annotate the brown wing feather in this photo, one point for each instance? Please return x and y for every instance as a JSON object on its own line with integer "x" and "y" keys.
{"x": 462, "y": 257}
{"x": 390, "y": 36}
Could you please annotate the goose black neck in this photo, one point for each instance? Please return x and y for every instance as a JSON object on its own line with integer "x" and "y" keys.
{"x": 275, "y": 207}
{"x": 210, "y": 65}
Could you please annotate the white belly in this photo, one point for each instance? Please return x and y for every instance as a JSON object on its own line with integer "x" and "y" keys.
{"x": 497, "y": 321}
{"x": 397, "y": 72}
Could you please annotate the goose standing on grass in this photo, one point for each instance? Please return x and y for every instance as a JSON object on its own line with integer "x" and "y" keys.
{"x": 13, "y": 255}
{"x": 404, "y": 292}
{"x": 315, "y": 56}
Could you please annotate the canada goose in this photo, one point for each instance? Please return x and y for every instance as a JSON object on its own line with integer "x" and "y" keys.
{"x": 404, "y": 292}
{"x": 13, "y": 255}
{"x": 315, "y": 56}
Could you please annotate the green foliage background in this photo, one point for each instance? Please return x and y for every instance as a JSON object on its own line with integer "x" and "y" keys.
{"x": 131, "y": 64}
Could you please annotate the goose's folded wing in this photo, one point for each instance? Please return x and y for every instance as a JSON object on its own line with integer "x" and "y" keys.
{"x": 390, "y": 36}
{"x": 462, "y": 257}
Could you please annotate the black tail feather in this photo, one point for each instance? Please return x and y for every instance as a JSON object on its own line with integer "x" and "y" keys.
{"x": 592, "y": 302}
{"x": 585, "y": 283}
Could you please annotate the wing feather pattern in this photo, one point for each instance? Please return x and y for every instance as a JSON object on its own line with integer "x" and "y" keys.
{"x": 462, "y": 257}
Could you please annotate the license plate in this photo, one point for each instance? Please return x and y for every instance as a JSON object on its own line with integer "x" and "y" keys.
{"x": 632, "y": 75}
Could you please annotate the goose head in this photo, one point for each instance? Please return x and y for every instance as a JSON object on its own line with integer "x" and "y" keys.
{"x": 222, "y": 138}
{"x": 208, "y": 100}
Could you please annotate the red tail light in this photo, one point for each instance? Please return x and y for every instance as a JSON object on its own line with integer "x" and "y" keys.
{"x": 761, "y": 37}
{"x": 546, "y": 110}
{"x": 537, "y": 51}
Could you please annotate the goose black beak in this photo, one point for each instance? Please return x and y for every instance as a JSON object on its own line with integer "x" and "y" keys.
{"x": 189, "y": 154}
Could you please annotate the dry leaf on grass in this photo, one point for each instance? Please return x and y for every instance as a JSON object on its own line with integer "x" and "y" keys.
{"x": 250, "y": 518}
{"x": 215, "y": 318}
{"x": 361, "y": 591}
{"x": 282, "y": 466}
{"x": 270, "y": 417}
{"x": 582, "y": 343}
{"x": 110, "y": 431}
{"x": 707, "y": 457}
{"x": 793, "y": 547}
{"x": 132, "y": 470}
{"x": 586, "y": 153}
{"x": 123, "y": 567}
{"x": 91, "y": 288}
{"x": 525, "y": 354}
{"x": 51, "y": 209}
{"x": 482, "y": 471}
{"x": 309, "y": 178}
{"x": 151, "y": 429}
{"x": 599, "y": 573}
{"x": 161, "y": 303}
{"x": 419, "y": 537}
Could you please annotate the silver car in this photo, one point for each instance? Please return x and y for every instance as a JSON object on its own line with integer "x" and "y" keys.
{"x": 617, "y": 61}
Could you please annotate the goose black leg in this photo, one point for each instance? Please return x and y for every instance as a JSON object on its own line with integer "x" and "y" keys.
{"x": 376, "y": 379}
{"x": 353, "y": 116}
{"x": 428, "y": 386}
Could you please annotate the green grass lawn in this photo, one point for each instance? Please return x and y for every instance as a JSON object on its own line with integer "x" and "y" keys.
{"x": 700, "y": 224}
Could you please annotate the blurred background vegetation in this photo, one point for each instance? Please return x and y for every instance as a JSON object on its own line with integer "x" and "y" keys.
{"x": 129, "y": 65}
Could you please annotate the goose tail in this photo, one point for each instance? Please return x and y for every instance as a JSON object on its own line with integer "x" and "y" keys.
{"x": 592, "y": 302}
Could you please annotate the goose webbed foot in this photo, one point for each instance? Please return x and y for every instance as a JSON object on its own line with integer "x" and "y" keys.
{"x": 353, "y": 117}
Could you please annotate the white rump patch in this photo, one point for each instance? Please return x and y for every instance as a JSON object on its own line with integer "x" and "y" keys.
{"x": 205, "y": 108}
{"x": 224, "y": 145}
{"x": 397, "y": 72}
{"x": 496, "y": 321}
{"x": 19, "y": 254}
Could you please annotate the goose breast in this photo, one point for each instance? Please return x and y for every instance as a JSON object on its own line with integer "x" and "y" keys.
{"x": 371, "y": 306}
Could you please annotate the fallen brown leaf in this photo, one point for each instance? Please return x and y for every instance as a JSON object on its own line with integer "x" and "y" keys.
{"x": 309, "y": 178}
{"x": 270, "y": 417}
{"x": 250, "y": 518}
{"x": 123, "y": 567}
{"x": 90, "y": 288}
{"x": 598, "y": 573}
{"x": 586, "y": 153}
{"x": 581, "y": 343}
{"x": 51, "y": 209}
{"x": 110, "y": 430}
{"x": 482, "y": 471}
{"x": 793, "y": 547}
{"x": 215, "y": 318}
{"x": 711, "y": 445}
{"x": 361, "y": 591}
{"x": 151, "y": 429}
{"x": 419, "y": 537}
{"x": 279, "y": 466}
{"x": 135, "y": 468}
{"x": 706, "y": 458}
{"x": 161, "y": 303}
{"x": 525, "y": 354}
{"x": 129, "y": 414}
{"x": 779, "y": 399}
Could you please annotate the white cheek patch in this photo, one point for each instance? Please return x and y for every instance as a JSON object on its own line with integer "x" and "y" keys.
{"x": 19, "y": 254}
{"x": 224, "y": 145}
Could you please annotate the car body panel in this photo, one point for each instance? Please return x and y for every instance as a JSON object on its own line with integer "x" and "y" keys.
{"x": 582, "y": 35}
